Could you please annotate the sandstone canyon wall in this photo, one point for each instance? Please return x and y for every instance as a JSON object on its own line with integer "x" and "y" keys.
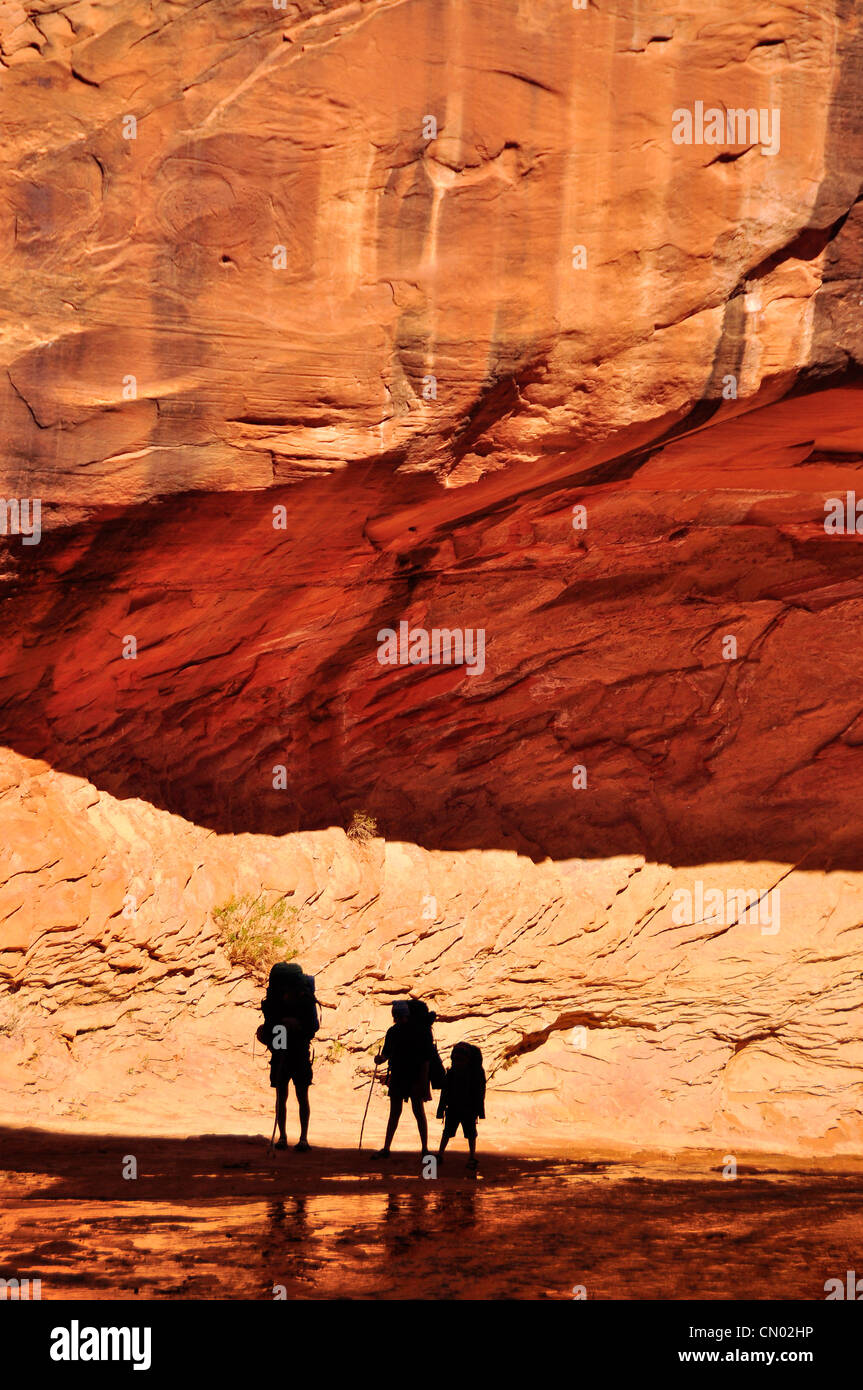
{"x": 324, "y": 319}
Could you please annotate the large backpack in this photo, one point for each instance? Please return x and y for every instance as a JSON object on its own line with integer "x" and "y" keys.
{"x": 421, "y": 1015}
{"x": 282, "y": 973}
{"x": 422, "y": 1019}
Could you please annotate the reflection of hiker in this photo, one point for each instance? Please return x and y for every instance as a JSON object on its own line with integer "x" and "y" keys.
{"x": 462, "y": 1098}
{"x": 287, "y": 1247}
{"x": 410, "y": 1052}
{"x": 290, "y": 1023}
{"x": 408, "y": 1218}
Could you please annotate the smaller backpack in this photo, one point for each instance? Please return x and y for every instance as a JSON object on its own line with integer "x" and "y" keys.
{"x": 476, "y": 1072}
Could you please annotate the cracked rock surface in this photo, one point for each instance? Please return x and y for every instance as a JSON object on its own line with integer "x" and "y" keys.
{"x": 601, "y": 1014}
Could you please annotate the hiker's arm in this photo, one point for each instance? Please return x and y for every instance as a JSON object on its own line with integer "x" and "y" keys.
{"x": 441, "y": 1109}
{"x": 384, "y": 1054}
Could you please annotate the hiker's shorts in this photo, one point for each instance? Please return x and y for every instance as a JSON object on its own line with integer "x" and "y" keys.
{"x": 408, "y": 1087}
{"x": 291, "y": 1066}
{"x": 453, "y": 1119}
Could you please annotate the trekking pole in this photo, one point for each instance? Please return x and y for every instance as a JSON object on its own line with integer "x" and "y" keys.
{"x": 366, "y": 1111}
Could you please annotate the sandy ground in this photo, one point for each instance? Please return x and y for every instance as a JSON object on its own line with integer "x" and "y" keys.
{"x": 223, "y": 1217}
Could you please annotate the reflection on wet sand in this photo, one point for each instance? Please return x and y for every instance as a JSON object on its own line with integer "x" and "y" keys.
{"x": 220, "y": 1218}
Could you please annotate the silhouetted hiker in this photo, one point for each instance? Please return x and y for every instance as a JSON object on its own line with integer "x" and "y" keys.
{"x": 290, "y": 1023}
{"x": 410, "y": 1052}
{"x": 462, "y": 1098}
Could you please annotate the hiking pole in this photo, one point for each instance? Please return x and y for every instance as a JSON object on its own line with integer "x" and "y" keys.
{"x": 366, "y": 1111}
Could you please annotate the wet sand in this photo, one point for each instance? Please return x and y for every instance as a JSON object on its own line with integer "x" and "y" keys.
{"x": 223, "y": 1217}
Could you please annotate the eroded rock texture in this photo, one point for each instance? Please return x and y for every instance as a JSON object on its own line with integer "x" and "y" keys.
{"x": 601, "y": 1014}
{"x": 324, "y": 319}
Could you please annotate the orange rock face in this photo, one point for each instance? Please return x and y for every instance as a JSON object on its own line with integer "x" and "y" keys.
{"x": 335, "y": 328}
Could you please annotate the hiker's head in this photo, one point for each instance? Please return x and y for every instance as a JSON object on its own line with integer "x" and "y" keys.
{"x": 401, "y": 1011}
{"x": 461, "y": 1055}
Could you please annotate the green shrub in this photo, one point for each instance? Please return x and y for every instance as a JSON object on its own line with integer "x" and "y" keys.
{"x": 255, "y": 933}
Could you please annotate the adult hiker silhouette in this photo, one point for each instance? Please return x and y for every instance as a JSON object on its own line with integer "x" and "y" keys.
{"x": 290, "y": 1022}
{"x": 410, "y": 1053}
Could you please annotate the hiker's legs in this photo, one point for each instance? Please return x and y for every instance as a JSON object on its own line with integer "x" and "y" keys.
{"x": 422, "y": 1124}
{"x": 393, "y": 1121}
{"x": 281, "y": 1110}
{"x": 470, "y": 1136}
{"x": 302, "y": 1094}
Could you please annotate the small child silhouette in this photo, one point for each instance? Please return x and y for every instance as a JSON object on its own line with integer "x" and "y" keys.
{"x": 462, "y": 1098}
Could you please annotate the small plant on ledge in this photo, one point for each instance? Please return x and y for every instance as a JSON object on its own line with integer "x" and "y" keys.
{"x": 362, "y": 828}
